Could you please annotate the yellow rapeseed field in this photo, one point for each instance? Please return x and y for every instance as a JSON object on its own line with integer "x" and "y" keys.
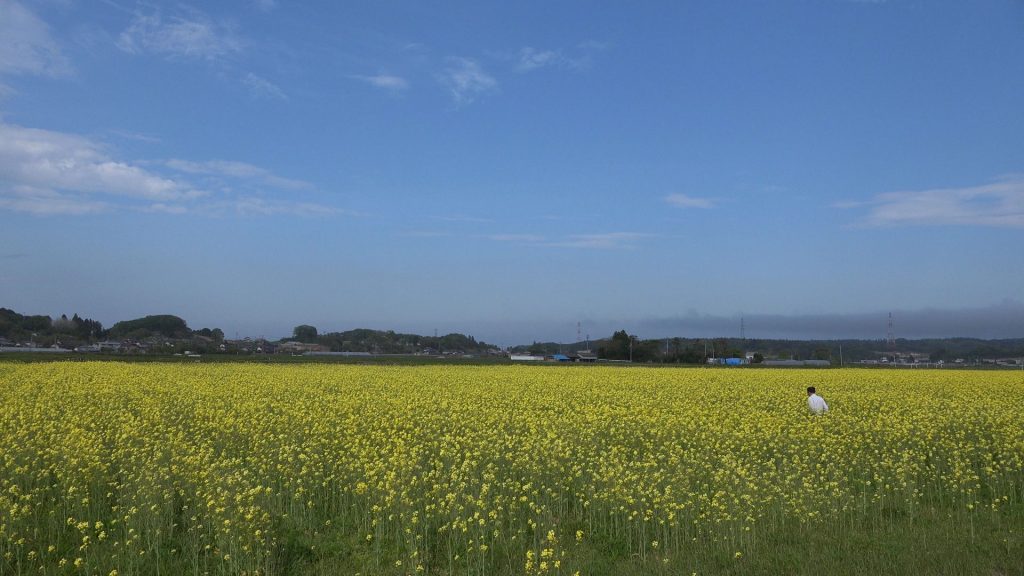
{"x": 138, "y": 469}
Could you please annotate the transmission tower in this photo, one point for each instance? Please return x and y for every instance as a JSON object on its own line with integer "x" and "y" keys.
{"x": 890, "y": 339}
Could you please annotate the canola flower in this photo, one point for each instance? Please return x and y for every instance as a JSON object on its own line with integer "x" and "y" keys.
{"x": 111, "y": 468}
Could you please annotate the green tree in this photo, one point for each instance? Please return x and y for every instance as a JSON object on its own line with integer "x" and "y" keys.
{"x": 617, "y": 348}
{"x": 166, "y": 325}
{"x": 305, "y": 333}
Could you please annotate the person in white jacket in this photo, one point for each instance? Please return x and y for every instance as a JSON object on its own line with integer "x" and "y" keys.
{"x": 814, "y": 402}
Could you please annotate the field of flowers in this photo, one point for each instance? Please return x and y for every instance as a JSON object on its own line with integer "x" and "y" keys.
{"x": 141, "y": 469}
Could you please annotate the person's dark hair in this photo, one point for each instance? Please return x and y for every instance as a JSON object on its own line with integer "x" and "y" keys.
{"x": 811, "y": 390}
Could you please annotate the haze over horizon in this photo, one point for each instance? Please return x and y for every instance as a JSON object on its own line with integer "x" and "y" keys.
{"x": 509, "y": 171}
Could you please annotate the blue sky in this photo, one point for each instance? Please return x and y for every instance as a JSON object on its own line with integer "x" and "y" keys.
{"x": 509, "y": 170}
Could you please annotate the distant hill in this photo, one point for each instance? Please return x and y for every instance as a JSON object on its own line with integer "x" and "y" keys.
{"x": 45, "y": 331}
{"x": 18, "y": 329}
{"x": 390, "y": 342}
{"x": 166, "y": 325}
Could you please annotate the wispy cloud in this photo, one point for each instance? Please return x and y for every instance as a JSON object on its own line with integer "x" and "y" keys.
{"x": 47, "y": 202}
{"x": 139, "y": 137}
{"x": 245, "y": 206}
{"x": 52, "y": 172}
{"x": 26, "y": 46}
{"x": 49, "y": 173}
{"x": 240, "y": 170}
{"x": 260, "y": 87}
{"x": 252, "y": 206}
{"x": 531, "y": 59}
{"x": 426, "y": 234}
{"x": 384, "y": 81}
{"x": 189, "y": 34}
{"x": 998, "y": 204}
{"x": 603, "y": 241}
{"x": 466, "y": 80}
{"x": 684, "y": 201}
{"x": 462, "y": 218}
{"x": 265, "y": 5}
{"x": 606, "y": 241}
{"x": 517, "y": 238}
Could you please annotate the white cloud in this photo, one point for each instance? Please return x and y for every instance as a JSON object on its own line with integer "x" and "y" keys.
{"x": 240, "y": 170}
{"x": 139, "y": 137}
{"x": 265, "y": 5}
{"x": 40, "y": 166}
{"x": 46, "y": 173}
{"x": 998, "y": 204}
{"x": 254, "y": 206}
{"x": 576, "y": 58}
{"x": 26, "y": 46}
{"x": 467, "y": 80}
{"x": 263, "y": 88}
{"x": 604, "y": 241}
{"x": 46, "y": 202}
{"x": 385, "y": 81}
{"x": 684, "y": 201}
{"x": 162, "y": 208}
{"x": 190, "y": 35}
{"x": 520, "y": 238}
{"x": 426, "y": 234}
{"x": 463, "y": 218}
{"x": 531, "y": 59}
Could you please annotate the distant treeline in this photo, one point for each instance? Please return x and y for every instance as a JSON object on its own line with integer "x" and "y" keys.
{"x": 697, "y": 350}
{"x": 174, "y": 335}
{"x": 67, "y": 332}
{"x": 389, "y": 342}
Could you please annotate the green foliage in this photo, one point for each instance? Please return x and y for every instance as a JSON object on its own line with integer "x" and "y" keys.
{"x": 166, "y": 325}
{"x": 17, "y": 327}
{"x": 43, "y": 330}
{"x": 304, "y": 333}
{"x": 216, "y": 334}
{"x": 390, "y": 342}
{"x": 617, "y": 348}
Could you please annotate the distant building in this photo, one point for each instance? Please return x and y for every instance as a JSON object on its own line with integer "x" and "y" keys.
{"x": 113, "y": 346}
{"x": 728, "y": 361}
{"x": 818, "y": 363}
{"x": 586, "y": 356}
{"x": 300, "y": 348}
